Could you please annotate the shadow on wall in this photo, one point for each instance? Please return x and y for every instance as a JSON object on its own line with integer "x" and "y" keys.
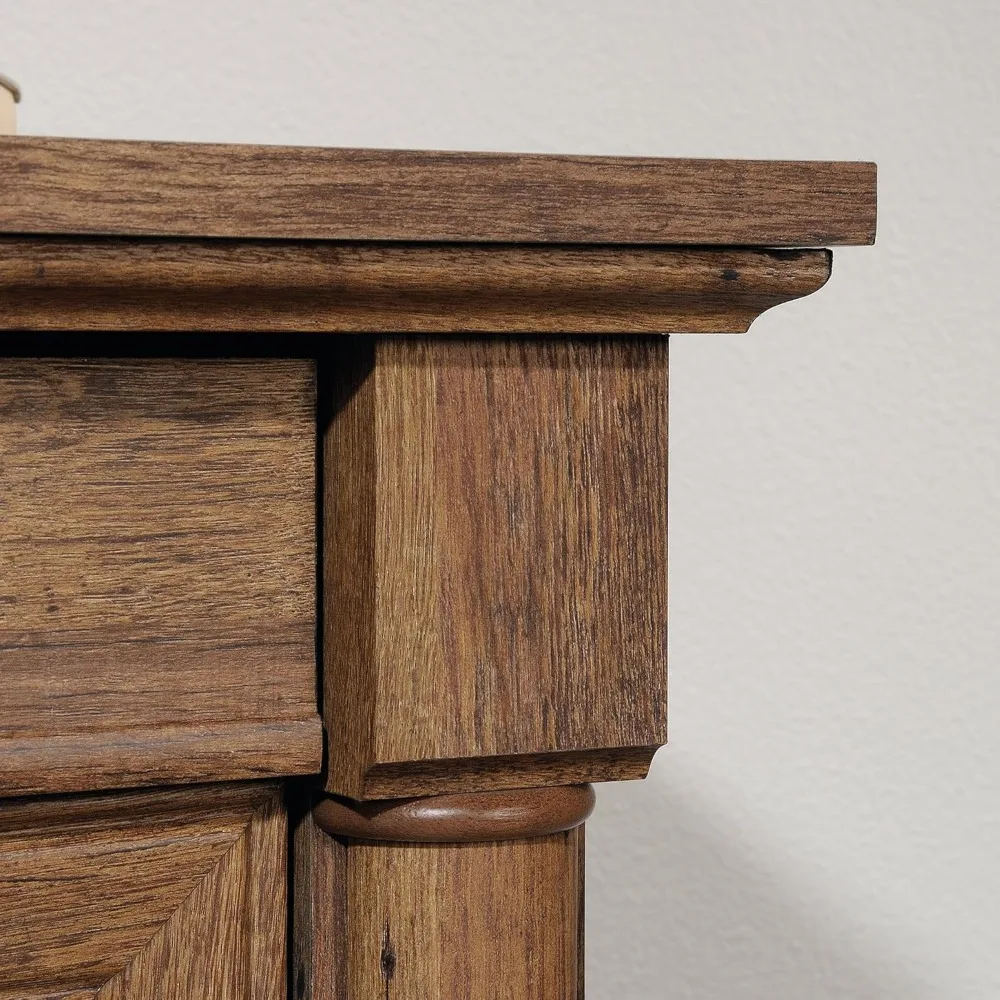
{"x": 678, "y": 909}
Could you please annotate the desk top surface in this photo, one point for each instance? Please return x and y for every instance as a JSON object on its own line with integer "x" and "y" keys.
{"x": 187, "y": 190}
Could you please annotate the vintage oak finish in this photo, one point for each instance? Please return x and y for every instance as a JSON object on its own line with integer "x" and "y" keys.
{"x": 459, "y": 819}
{"x": 157, "y": 572}
{"x": 133, "y": 896}
{"x": 157, "y": 755}
{"x": 464, "y": 353}
{"x": 495, "y": 921}
{"x": 96, "y": 186}
{"x": 475, "y": 896}
{"x": 473, "y": 609}
{"x": 152, "y": 284}
{"x": 318, "y": 969}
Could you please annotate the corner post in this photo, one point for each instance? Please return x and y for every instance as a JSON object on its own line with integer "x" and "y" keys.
{"x": 468, "y": 895}
{"x": 495, "y": 523}
{"x": 494, "y": 619}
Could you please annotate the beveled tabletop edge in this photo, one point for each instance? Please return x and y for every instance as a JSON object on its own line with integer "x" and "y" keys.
{"x": 192, "y": 190}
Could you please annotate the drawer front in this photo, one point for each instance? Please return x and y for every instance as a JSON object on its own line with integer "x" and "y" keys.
{"x": 175, "y": 894}
{"x": 157, "y": 572}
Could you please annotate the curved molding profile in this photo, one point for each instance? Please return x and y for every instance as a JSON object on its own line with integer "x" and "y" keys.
{"x": 459, "y": 819}
{"x": 214, "y": 286}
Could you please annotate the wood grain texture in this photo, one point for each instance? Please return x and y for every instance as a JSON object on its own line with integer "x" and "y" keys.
{"x": 485, "y": 921}
{"x": 156, "y": 285}
{"x": 436, "y": 777}
{"x": 482, "y": 921}
{"x": 492, "y": 921}
{"x": 133, "y": 756}
{"x": 466, "y": 818}
{"x": 54, "y": 185}
{"x": 495, "y": 562}
{"x": 157, "y": 572}
{"x": 319, "y": 923}
{"x": 144, "y": 895}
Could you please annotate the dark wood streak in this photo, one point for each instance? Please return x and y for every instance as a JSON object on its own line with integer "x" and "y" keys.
{"x": 387, "y": 960}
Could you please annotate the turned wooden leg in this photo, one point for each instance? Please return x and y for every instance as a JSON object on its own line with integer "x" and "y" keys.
{"x": 469, "y": 895}
{"x": 494, "y": 619}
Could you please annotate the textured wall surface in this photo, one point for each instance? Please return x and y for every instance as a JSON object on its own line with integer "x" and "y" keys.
{"x": 825, "y": 821}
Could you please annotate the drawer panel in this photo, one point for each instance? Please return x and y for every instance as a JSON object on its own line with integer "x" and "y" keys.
{"x": 157, "y": 571}
{"x": 177, "y": 894}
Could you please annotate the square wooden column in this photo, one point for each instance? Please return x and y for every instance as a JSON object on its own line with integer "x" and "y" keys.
{"x": 495, "y": 562}
{"x": 494, "y": 605}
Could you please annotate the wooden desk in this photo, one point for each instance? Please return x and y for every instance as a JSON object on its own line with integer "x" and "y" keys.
{"x": 331, "y": 477}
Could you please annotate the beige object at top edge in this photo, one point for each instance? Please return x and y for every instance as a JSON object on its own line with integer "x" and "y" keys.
{"x": 10, "y": 94}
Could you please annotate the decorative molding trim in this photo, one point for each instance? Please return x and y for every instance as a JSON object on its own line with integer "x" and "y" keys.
{"x": 163, "y": 286}
{"x": 159, "y": 755}
{"x": 460, "y": 819}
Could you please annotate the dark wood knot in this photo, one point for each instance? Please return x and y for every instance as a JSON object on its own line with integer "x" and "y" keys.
{"x": 459, "y": 819}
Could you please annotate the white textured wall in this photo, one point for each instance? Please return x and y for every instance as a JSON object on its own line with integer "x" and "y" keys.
{"x": 826, "y": 821}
